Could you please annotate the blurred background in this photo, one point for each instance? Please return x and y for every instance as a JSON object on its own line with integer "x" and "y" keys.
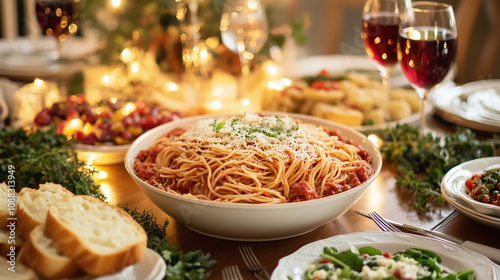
{"x": 329, "y": 26}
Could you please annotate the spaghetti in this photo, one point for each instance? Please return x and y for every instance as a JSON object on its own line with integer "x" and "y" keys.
{"x": 253, "y": 159}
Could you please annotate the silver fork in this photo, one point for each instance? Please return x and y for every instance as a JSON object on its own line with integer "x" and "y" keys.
{"x": 231, "y": 272}
{"x": 382, "y": 223}
{"x": 252, "y": 262}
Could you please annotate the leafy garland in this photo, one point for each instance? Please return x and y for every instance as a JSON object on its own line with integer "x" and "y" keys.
{"x": 422, "y": 161}
{"x": 45, "y": 156}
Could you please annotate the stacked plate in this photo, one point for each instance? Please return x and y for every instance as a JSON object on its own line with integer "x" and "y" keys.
{"x": 454, "y": 191}
{"x": 475, "y": 105}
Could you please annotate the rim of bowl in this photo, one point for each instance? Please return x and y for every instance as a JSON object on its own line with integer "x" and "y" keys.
{"x": 129, "y": 158}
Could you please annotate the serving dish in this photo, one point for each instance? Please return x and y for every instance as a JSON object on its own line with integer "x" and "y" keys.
{"x": 453, "y": 256}
{"x": 468, "y": 211}
{"x": 454, "y": 184}
{"x": 340, "y": 65}
{"x": 101, "y": 155}
{"x": 252, "y": 222}
{"x": 475, "y": 105}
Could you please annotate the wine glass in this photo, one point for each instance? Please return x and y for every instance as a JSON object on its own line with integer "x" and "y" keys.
{"x": 58, "y": 18}
{"x": 427, "y": 46}
{"x": 380, "y": 34}
{"x": 244, "y": 31}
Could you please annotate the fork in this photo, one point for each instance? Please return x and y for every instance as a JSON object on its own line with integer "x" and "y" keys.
{"x": 252, "y": 262}
{"x": 231, "y": 272}
{"x": 382, "y": 223}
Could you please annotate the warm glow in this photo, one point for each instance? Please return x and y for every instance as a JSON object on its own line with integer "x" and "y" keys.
{"x": 252, "y": 5}
{"x": 129, "y": 108}
{"x": 126, "y": 56}
{"x": 375, "y": 140}
{"x": 115, "y": 3}
{"x": 91, "y": 160}
{"x": 101, "y": 175}
{"x": 75, "y": 124}
{"x": 87, "y": 128}
{"x": 245, "y": 102}
{"x": 113, "y": 100}
{"x": 286, "y": 82}
{"x": 171, "y": 86}
{"x": 106, "y": 190}
{"x": 38, "y": 82}
{"x": 216, "y": 105}
{"x": 134, "y": 67}
{"x": 106, "y": 80}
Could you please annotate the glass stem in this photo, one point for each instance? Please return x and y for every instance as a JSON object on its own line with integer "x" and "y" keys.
{"x": 245, "y": 72}
{"x": 384, "y": 73}
{"x": 424, "y": 96}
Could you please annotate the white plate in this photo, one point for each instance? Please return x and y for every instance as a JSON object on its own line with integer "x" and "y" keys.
{"x": 475, "y": 105}
{"x": 454, "y": 183}
{"x": 151, "y": 267}
{"x": 470, "y": 212}
{"x": 453, "y": 256}
{"x": 339, "y": 65}
{"x": 102, "y": 155}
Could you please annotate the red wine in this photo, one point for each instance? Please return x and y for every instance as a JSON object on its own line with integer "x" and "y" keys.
{"x": 57, "y": 18}
{"x": 427, "y": 54}
{"x": 380, "y": 35}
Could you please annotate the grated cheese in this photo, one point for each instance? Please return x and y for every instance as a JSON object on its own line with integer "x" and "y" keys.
{"x": 282, "y": 135}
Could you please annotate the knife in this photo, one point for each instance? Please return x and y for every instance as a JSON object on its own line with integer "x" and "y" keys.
{"x": 490, "y": 252}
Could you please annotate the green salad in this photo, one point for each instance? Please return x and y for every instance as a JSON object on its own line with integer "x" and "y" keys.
{"x": 370, "y": 263}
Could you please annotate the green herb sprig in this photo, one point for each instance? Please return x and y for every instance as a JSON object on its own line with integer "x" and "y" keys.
{"x": 421, "y": 161}
{"x": 45, "y": 156}
{"x": 192, "y": 265}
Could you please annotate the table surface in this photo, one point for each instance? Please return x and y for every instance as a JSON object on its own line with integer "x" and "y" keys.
{"x": 383, "y": 196}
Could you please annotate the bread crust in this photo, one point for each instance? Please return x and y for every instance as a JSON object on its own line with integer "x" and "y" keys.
{"x": 52, "y": 266}
{"x": 25, "y": 221}
{"x": 74, "y": 246}
{"x": 21, "y": 271}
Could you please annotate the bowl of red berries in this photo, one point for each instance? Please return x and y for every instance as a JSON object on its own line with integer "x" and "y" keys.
{"x": 103, "y": 131}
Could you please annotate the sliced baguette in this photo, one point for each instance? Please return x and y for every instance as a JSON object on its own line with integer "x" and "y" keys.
{"x": 5, "y": 245}
{"x": 4, "y": 204}
{"x": 34, "y": 205}
{"x": 18, "y": 272}
{"x": 42, "y": 255}
{"x": 99, "y": 237}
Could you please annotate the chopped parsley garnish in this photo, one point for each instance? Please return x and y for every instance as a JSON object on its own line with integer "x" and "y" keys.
{"x": 276, "y": 128}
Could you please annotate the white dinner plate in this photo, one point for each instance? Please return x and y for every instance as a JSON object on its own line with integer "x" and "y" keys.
{"x": 454, "y": 184}
{"x": 453, "y": 256}
{"x": 475, "y": 105}
{"x": 340, "y": 65}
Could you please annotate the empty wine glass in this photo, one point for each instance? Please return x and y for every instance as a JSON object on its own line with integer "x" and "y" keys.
{"x": 380, "y": 34}
{"x": 427, "y": 46}
{"x": 58, "y": 18}
{"x": 244, "y": 31}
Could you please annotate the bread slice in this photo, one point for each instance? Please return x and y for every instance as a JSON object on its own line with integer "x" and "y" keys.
{"x": 16, "y": 242}
{"x": 99, "y": 237}
{"x": 18, "y": 272}
{"x": 42, "y": 255}
{"x": 4, "y": 205}
{"x": 34, "y": 205}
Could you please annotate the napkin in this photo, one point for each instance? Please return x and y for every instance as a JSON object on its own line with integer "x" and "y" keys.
{"x": 8, "y": 112}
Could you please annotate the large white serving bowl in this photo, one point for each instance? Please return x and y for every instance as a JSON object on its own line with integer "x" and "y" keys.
{"x": 252, "y": 222}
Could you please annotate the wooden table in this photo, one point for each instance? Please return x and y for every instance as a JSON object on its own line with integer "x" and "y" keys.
{"x": 382, "y": 196}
